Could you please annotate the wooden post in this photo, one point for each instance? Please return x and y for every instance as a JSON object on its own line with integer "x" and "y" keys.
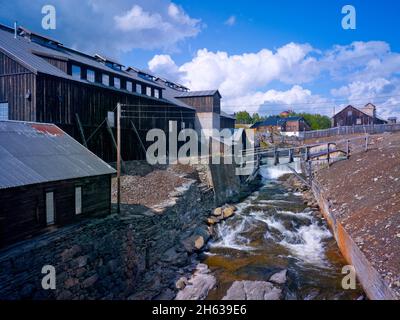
{"x": 115, "y": 145}
{"x": 348, "y": 149}
{"x": 366, "y": 143}
{"x": 276, "y": 156}
{"x": 118, "y": 157}
{"x": 328, "y": 155}
{"x": 310, "y": 173}
{"x": 291, "y": 159}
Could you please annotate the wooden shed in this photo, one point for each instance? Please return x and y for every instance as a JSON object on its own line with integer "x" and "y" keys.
{"x": 47, "y": 179}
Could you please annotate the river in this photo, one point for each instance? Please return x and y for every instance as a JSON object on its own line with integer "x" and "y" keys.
{"x": 274, "y": 230}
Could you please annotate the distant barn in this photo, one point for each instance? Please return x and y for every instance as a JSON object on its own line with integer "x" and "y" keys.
{"x": 351, "y": 116}
{"x": 47, "y": 179}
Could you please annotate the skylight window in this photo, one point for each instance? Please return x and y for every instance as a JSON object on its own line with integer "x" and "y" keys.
{"x": 76, "y": 72}
{"x": 105, "y": 79}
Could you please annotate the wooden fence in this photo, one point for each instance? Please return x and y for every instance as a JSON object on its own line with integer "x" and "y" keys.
{"x": 359, "y": 129}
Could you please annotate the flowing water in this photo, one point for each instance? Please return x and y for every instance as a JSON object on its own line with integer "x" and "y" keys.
{"x": 273, "y": 230}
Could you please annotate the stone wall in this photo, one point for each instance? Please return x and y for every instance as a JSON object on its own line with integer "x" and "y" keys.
{"x": 138, "y": 254}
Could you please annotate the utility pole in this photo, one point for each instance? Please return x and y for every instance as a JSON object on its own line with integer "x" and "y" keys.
{"x": 118, "y": 157}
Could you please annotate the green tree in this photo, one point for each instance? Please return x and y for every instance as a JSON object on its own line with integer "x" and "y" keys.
{"x": 243, "y": 117}
{"x": 316, "y": 121}
{"x": 256, "y": 118}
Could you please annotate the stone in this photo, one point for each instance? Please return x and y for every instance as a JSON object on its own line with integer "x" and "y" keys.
{"x": 199, "y": 243}
{"x": 82, "y": 261}
{"x": 70, "y": 282}
{"x": 228, "y": 212}
{"x": 181, "y": 283}
{"x": 279, "y": 278}
{"x": 252, "y": 290}
{"x": 217, "y": 212}
{"x": 90, "y": 281}
{"x": 199, "y": 285}
{"x": 212, "y": 220}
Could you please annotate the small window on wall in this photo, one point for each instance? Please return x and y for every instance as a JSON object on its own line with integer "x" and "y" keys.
{"x": 349, "y": 113}
{"x": 111, "y": 119}
{"x": 129, "y": 86}
{"x": 117, "y": 83}
{"x": 90, "y": 75}
{"x": 138, "y": 88}
{"x": 50, "y": 217}
{"x": 157, "y": 93}
{"x": 105, "y": 79}
{"x": 78, "y": 200}
{"x": 4, "y": 111}
{"x": 358, "y": 121}
{"x": 76, "y": 72}
{"x": 148, "y": 91}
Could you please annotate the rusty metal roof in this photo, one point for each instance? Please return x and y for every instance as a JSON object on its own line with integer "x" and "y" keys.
{"x": 32, "y": 153}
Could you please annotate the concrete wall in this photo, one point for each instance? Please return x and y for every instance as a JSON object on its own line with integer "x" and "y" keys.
{"x": 372, "y": 282}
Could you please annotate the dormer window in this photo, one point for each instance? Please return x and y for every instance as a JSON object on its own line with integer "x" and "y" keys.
{"x": 117, "y": 83}
{"x": 157, "y": 93}
{"x": 129, "y": 86}
{"x": 148, "y": 91}
{"x": 76, "y": 72}
{"x": 105, "y": 79}
{"x": 138, "y": 88}
{"x": 90, "y": 75}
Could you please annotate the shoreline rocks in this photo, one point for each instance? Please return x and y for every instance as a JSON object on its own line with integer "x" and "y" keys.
{"x": 253, "y": 290}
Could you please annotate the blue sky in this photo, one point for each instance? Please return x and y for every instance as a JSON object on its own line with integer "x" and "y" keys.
{"x": 264, "y": 56}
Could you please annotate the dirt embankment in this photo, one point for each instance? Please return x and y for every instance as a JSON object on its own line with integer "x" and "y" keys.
{"x": 364, "y": 194}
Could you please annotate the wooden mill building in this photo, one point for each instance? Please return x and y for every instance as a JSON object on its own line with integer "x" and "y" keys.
{"x": 42, "y": 80}
{"x": 351, "y": 116}
{"x": 47, "y": 179}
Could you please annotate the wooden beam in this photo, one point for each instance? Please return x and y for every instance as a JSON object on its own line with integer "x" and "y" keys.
{"x": 140, "y": 140}
{"x": 78, "y": 121}
{"x": 119, "y": 157}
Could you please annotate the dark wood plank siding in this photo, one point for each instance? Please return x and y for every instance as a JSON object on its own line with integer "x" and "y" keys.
{"x": 204, "y": 104}
{"x": 60, "y": 64}
{"x": 227, "y": 123}
{"x": 23, "y": 209}
{"x": 17, "y": 87}
{"x": 58, "y": 100}
{"x": 351, "y": 116}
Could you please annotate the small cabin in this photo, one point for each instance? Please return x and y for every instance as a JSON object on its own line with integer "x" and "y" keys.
{"x": 351, "y": 116}
{"x": 47, "y": 180}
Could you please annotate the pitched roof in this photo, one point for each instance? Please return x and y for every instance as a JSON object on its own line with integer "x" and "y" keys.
{"x": 204, "y": 93}
{"x": 275, "y": 121}
{"x": 28, "y": 54}
{"x": 225, "y": 115}
{"x": 32, "y": 153}
{"x": 362, "y": 111}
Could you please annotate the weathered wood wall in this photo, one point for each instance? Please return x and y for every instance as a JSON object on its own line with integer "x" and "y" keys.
{"x": 23, "y": 209}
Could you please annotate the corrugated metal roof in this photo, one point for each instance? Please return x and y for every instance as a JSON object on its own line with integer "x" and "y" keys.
{"x": 225, "y": 115}
{"x": 204, "y": 93}
{"x": 274, "y": 121}
{"x": 32, "y": 153}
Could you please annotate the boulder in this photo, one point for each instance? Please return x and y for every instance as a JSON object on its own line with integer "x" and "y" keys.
{"x": 228, "y": 212}
{"x": 252, "y": 290}
{"x": 193, "y": 243}
{"x": 212, "y": 220}
{"x": 198, "y": 285}
{"x": 199, "y": 242}
{"x": 217, "y": 212}
{"x": 279, "y": 278}
{"x": 181, "y": 283}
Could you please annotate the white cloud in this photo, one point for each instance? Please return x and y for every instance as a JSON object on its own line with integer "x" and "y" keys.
{"x": 359, "y": 71}
{"x": 137, "y": 19}
{"x": 112, "y": 26}
{"x": 231, "y": 21}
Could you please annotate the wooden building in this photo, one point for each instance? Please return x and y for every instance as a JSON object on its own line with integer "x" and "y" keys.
{"x": 47, "y": 179}
{"x": 42, "y": 80}
{"x": 351, "y": 116}
{"x": 282, "y": 125}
